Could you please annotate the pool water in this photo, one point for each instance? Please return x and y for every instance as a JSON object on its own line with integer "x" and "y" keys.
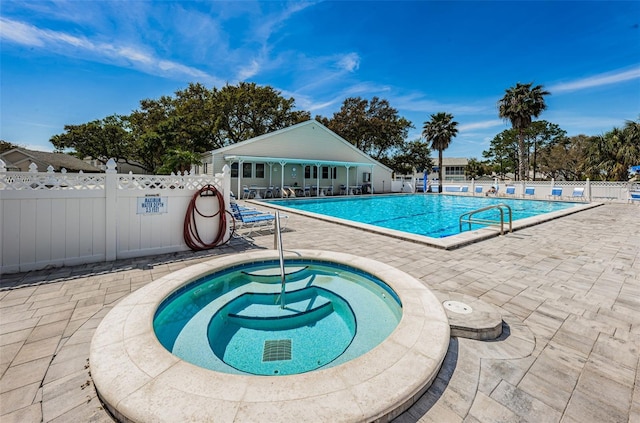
{"x": 232, "y": 321}
{"x": 435, "y": 216}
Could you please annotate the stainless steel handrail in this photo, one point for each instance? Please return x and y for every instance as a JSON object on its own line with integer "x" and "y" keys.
{"x": 277, "y": 241}
{"x": 468, "y": 217}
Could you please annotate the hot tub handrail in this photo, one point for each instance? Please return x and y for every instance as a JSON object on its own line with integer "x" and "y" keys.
{"x": 277, "y": 240}
{"x": 468, "y": 217}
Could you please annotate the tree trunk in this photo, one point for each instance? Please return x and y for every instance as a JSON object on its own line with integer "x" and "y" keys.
{"x": 521, "y": 147}
{"x": 439, "y": 170}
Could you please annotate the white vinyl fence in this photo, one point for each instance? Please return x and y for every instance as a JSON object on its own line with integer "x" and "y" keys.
{"x": 601, "y": 191}
{"x": 56, "y": 219}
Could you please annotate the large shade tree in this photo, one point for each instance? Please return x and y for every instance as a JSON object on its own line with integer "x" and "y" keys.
{"x": 519, "y": 105}
{"x": 372, "y": 126}
{"x": 100, "y": 139}
{"x": 248, "y": 110}
{"x": 171, "y": 132}
{"x": 439, "y": 131}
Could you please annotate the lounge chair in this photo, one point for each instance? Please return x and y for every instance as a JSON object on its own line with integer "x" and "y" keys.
{"x": 478, "y": 189}
{"x": 578, "y": 193}
{"x": 530, "y": 191}
{"x": 249, "y": 221}
{"x": 556, "y": 192}
{"x": 634, "y": 196}
{"x": 510, "y": 190}
{"x": 464, "y": 188}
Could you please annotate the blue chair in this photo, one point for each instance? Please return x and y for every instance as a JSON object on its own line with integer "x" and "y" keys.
{"x": 634, "y": 196}
{"x": 478, "y": 189}
{"x": 510, "y": 190}
{"x": 578, "y": 193}
{"x": 529, "y": 191}
{"x": 556, "y": 192}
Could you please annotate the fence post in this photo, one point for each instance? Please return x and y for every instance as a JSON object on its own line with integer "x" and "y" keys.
{"x": 111, "y": 209}
{"x": 226, "y": 187}
{"x": 588, "y": 189}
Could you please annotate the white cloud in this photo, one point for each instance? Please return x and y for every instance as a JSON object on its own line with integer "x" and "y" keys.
{"x": 122, "y": 55}
{"x": 480, "y": 125}
{"x": 349, "y": 62}
{"x": 596, "y": 81}
{"x": 249, "y": 70}
{"x": 20, "y": 33}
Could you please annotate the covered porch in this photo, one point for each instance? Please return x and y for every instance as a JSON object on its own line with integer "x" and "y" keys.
{"x": 279, "y": 176}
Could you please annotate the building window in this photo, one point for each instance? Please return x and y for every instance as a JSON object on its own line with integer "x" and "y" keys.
{"x": 246, "y": 170}
{"x": 234, "y": 170}
{"x": 260, "y": 170}
{"x": 308, "y": 172}
{"x": 325, "y": 172}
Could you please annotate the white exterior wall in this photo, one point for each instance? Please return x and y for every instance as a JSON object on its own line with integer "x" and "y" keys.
{"x": 81, "y": 220}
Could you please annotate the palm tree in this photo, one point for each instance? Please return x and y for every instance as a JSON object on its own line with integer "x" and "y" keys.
{"x": 439, "y": 131}
{"x": 519, "y": 105}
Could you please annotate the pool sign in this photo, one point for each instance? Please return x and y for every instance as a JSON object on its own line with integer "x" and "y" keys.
{"x": 152, "y": 204}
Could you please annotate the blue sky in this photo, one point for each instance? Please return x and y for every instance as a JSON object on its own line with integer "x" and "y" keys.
{"x": 70, "y": 62}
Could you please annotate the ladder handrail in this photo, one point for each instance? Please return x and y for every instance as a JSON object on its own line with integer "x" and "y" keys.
{"x": 469, "y": 217}
{"x": 278, "y": 244}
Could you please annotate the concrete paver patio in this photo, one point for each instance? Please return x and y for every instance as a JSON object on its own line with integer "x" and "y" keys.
{"x": 568, "y": 291}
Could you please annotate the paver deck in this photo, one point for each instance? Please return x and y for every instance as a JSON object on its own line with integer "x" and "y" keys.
{"x": 568, "y": 290}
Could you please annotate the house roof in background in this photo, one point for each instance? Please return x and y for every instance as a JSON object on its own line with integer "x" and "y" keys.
{"x": 16, "y": 156}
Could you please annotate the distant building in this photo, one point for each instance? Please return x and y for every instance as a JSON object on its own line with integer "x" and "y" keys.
{"x": 19, "y": 159}
{"x": 454, "y": 170}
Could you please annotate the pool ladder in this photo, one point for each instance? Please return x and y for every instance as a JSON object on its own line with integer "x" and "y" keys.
{"x": 277, "y": 244}
{"x": 468, "y": 217}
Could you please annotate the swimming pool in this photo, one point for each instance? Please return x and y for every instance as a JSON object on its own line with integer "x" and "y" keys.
{"x": 435, "y": 217}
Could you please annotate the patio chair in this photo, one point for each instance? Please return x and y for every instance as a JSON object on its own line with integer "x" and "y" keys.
{"x": 510, "y": 190}
{"x": 578, "y": 193}
{"x": 268, "y": 193}
{"x": 343, "y": 189}
{"x": 464, "y": 188}
{"x": 556, "y": 192}
{"x": 478, "y": 189}
{"x": 246, "y": 193}
{"x": 329, "y": 190}
{"x": 531, "y": 191}
{"x": 634, "y": 196}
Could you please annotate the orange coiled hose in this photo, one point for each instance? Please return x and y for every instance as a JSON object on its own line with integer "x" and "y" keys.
{"x": 191, "y": 236}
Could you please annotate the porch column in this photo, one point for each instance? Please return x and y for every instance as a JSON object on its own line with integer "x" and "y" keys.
{"x": 348, "y": 190}
{"x": 239, "y": 195}
{"x": 282, "y": 164}
{"x": 270, "y": 169}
